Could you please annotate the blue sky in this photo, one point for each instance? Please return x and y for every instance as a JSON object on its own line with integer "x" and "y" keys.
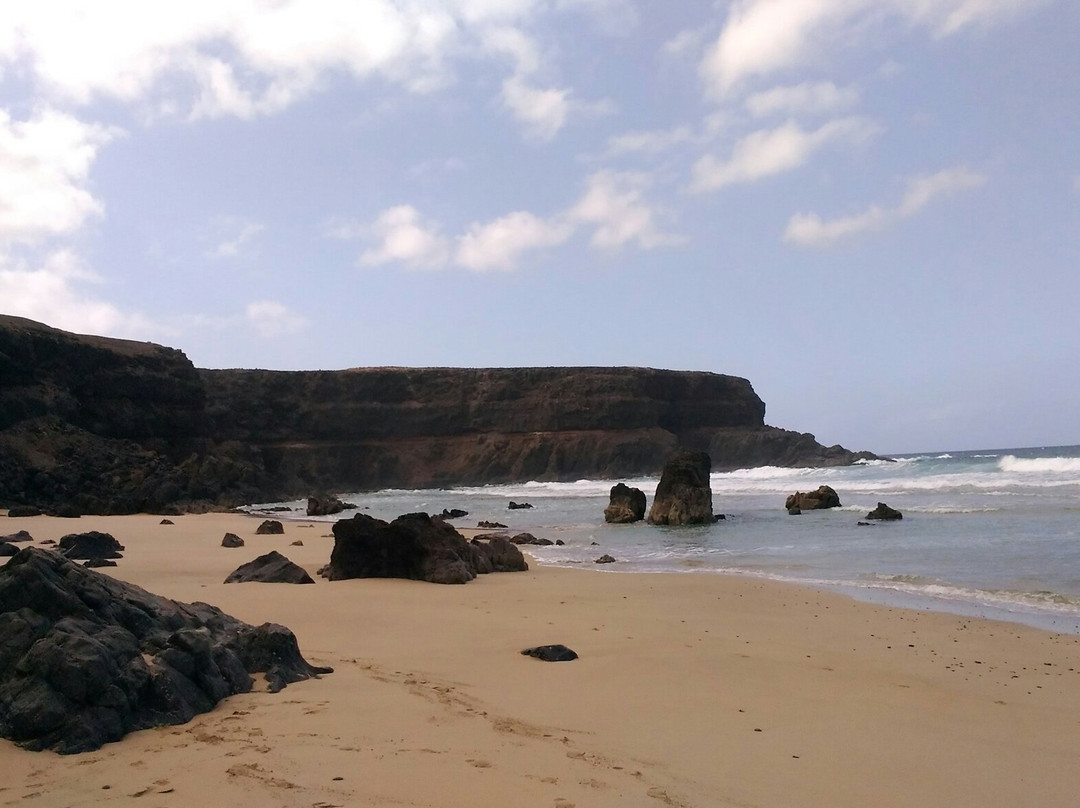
{"x": 869, "y": 208}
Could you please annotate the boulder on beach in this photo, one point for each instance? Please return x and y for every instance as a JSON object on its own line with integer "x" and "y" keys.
{"x": 498, "y": 553}
{"x": 529, "y": 538}
{"x": 7, "y": 549}
{"x": 684, "y": 494}
{"x": 551, "y": 653}
{"x": 17, "y": 537}
{"x": 415, "y": 546}
{"x": 270, "y": 527}
{"x": 232, "y": 540}
{"x": 326, "y": 506}
{"x": 605, "y": 559}
{"x": 885, "y": 513}
{"x": 17, "y": 511}
{"x": 625, "y": 505}
{"x": 823, "y": 497}
{"x": 86, "y": 659}
{"x": 270, "y": 568}
{"x": 92, "y": 544}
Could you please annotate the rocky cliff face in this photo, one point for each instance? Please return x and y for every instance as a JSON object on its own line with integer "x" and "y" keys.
{"x": 115, "y": 426}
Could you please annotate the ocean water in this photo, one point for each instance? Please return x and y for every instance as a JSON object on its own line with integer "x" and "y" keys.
{"x": 991, "y": 533}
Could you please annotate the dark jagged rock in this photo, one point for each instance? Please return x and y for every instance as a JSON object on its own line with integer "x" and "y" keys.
{"x": 166, "y": 522}
{"x": 517, "y": 506}
{"x": 296, "y": 543}
{"x": 684, "y": 494}
{"x": 605, "y": 559}
{"x": 113, "y": 426}
{"x": 823, "y": 497}
{"x": 232, "y": 540}
{"x": 453, "y": 513}
{"x": 885, "y": 513}
{"x": 551, "y": 653}
{"x": 794, "y": 510}
{"x": 326, "y": 506}
{"x": 529, "y": 538}
{"x": 17, "y": 537}
{"x": 270, "y": 568}
{"x": 414, "y": 546}
{"x": 270, "y": 527}
{"x": 499, "y": 554}
{"x": 86, "y": 659}
{"x": 625, "y": 505}
{"x": 490, "y": 525}
{"x": 7, "y": 549}
{"x": 92, "y": 544}
{"x": 17, "y": 511}
{"x": 95, "y": 563}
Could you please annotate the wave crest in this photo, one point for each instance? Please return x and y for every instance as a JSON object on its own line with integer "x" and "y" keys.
{"x": 1036, "y": 465}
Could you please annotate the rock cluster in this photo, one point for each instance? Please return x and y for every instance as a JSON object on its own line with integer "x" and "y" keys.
{"x": 415, "y": 546}
{"x": 684, "y": 494}
{"x": 85, "y": 659}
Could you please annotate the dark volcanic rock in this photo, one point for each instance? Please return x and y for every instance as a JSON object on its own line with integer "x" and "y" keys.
{"x": 17, "y": 536}
{"x": 551, "y": 653}
{"x": 232, "y": 540}
{"x": 92, "y": 544}
{"x": 605, "y": 559}
{"x": 414, "y": 546}
{"x": 270, "y": 527}
{"x": 166, "y": 522}
{"x": 517, "y": 506}
{"x": 498, "y": 553}
{"x": 453, "y": 513}
{"x": 823, "y": 497}
{"x": 326, "y": 506}
{"x": 885, "y": 513}
{"x": 270, "y": 568}
{"x": 7, "y": 549}
{"x": 684, "y": 494}
{"x": 490, "y": 525}
{"x": 625, "y": 505}
{"x": 95, "y": 563}
{"x": 529, "y": 538}
{"x": 16, "y": 511}
{"x": 85, "y": 659}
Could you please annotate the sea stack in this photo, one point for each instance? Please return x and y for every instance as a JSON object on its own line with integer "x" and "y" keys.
{"x": 684, "y": 495}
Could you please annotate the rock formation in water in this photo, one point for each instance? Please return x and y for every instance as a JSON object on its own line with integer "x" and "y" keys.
{"x": 85, "y": 658}
{"x": 885, "y": 513}
{"x": 97, "y": 425}
{"x": 625, "y": 505}
{"x": 684, "y": 493}
{"x": 823, "y": 497}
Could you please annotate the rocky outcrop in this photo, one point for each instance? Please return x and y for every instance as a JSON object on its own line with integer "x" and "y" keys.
{"x": 270, "y": 527}
{"x": 625, "y": 505}
{"x": 270, "y": 568}
{"x": 823, "y": 497}
{"x": 92, "y": 544}
{"x": 113, "y": 426}
{"x": 326, "y": 506}
{"x": 884, "y": 513}
{"x": 414, "y": 546}
{"x": 231, "y": 540}
{"x": 85, "y": 659}
{"x": 684, "y": 493}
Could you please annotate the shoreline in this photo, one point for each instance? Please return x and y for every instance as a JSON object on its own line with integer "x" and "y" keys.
{"x": 691, "y": 690}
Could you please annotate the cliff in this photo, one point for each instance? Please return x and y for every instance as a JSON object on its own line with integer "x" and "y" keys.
{"x": 105, "y": 425}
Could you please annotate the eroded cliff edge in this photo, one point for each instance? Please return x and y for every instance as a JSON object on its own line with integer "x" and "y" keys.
{"x": 106, "y": 425}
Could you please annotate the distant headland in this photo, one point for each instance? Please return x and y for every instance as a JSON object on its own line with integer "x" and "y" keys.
{"x": 99, "y": 425}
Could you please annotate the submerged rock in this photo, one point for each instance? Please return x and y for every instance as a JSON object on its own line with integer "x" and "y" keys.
{"x": 884, "y": 513}
{"x": 684, "y": 494}
{"x": 625, "y": 505}
{"x": 270, "y": 568}
{"x": 605, "y": 559}
{"x": 823, "y": 497}
{"x": 517, "y": 506}
{"x": 85, "y": 658}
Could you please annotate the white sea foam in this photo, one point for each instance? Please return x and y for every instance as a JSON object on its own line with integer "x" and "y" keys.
{"x": 1036, "y": 465}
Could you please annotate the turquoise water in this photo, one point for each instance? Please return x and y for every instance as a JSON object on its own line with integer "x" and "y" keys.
{"x": 991, "y": 533}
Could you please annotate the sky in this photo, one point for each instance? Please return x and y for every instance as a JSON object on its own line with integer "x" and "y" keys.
{"x": 868, "y": 208}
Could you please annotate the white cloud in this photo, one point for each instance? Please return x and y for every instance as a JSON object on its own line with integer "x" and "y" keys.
{"x": 404, "y": 237}
{"x": 761, "y": 37}
{"x": 767, "y": 152}
{"x": 807, "y": 97}
{"x": 684, "y": 43}
{"x": 809, "y": 230}
{"x": 614, "y": 203}
{"x": 53, "y": 293}
{"x": 541, "y": 111}
{"x": 237, "y": 237}
{"x": 650, "y": 142}
{"x": 271, "y": 319}
{"x": 44, "y": 165}
{"x": 500, "y": 243}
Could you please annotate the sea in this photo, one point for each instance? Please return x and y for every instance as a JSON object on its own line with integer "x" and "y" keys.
{"x": 991, "y": 533}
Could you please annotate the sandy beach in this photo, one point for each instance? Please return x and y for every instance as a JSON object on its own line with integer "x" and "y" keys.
{"x": 691, "y": 690}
